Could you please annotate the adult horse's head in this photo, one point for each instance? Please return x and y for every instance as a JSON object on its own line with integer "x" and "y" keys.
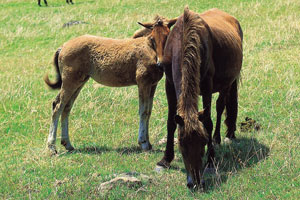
{"x": 158, "y": 33}
{"x": 192, "y": 140}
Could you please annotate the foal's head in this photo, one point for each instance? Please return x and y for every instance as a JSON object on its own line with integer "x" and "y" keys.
{"x": 192, "y": 140}
{"x": 158, "y": 33}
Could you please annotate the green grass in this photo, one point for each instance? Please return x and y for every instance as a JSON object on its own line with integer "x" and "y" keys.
{"x": 104, "y": 121}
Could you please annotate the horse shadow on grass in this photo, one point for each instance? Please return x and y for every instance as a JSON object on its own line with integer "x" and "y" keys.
{"x": 121, "y": 150}
{"x": 232, "y": 158}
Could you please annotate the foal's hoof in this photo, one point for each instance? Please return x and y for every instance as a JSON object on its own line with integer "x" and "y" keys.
{"x": 52, "y": 150}
{"x": 71, "y": 148}
{"x": 67, "y": 145}
{"x": 146, "y": 146}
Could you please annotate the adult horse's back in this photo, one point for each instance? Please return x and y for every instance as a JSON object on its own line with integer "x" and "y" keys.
{"x": 203, "y": 55}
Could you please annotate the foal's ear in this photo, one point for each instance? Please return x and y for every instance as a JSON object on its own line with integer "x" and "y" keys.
{"x": 179, "y": 120}
{"x": 172, "y": 22}
{"x": 146, "y": 25}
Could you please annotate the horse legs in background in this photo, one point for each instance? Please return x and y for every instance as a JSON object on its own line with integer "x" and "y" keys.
{"x": 146, "y": 95}
{"x": 39, "y": 2}
{"x": 231, "y": 110}
{"x": 171, "y": 126}
{"x": 68, "y": 1}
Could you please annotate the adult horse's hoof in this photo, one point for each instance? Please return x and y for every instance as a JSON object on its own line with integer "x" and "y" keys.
{"x": 159, "y": 168}
{"x": 163, "y": 163}
{"x": 209, "y": 170}
{"x": 227, "y": 140}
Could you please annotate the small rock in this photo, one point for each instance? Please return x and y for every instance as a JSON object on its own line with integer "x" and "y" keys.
{"x": 131, "y": 180}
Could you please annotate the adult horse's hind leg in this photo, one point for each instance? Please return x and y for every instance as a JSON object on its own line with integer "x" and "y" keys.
{"x": 220, "y": 108}
{"x": 68, "y": 1}
{"x": 65, "y": 141}
{"x": 146, "y": 95}
{"x": 231, "y": 110}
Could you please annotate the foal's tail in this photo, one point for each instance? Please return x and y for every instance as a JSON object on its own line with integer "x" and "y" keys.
{"x": 57, "y": 84}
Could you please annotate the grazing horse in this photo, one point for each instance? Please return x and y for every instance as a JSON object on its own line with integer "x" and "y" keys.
{"x": 202, "y": 55}
{"x": 111, "y": 62}
{"x": 39, "y": 2}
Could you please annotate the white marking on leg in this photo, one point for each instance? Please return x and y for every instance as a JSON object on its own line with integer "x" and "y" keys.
{"x": 53, "y": 129}
{"x": 52, "y": 135}
{"x": 65, "y": 140}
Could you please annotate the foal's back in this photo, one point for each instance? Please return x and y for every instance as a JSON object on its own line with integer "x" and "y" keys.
{"x": 112, "y": 62}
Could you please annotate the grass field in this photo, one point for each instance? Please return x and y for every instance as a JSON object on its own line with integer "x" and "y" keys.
{"x": 261, "y": 164}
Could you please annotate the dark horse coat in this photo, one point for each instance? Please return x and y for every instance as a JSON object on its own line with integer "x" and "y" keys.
{"x": 203, "y": 55}
{"x": 45, "y": 1}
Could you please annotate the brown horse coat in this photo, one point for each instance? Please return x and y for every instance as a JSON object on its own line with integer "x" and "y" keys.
{"x": 111, "y": 62}
{"x": 203, "y": 55}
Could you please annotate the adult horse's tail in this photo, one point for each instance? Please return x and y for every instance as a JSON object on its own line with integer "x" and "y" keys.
{"x": 57, "y": 84}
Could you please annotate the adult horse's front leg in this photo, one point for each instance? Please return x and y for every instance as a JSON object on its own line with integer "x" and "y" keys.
{"x": 206, "y": 99}
{"x": 146, "y": 94}
{"x": 171, "y": 126}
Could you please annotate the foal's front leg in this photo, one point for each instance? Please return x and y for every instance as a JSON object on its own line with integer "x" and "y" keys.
{"x": 146, "y": 94}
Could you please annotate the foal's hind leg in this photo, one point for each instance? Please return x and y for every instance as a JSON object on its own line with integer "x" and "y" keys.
{"x": 58, "y": 107}
{"x": 231, "y": 110}
{"x": 146, "y": 95}
{"x": 65, "y": 141}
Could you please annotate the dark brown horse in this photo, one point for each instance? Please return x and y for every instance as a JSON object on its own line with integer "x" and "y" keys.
{"x": 111, "y": 62}
{"x": 203, "y": 55}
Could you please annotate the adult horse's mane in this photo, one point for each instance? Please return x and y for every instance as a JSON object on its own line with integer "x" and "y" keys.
{"x": 190, "y": 69}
